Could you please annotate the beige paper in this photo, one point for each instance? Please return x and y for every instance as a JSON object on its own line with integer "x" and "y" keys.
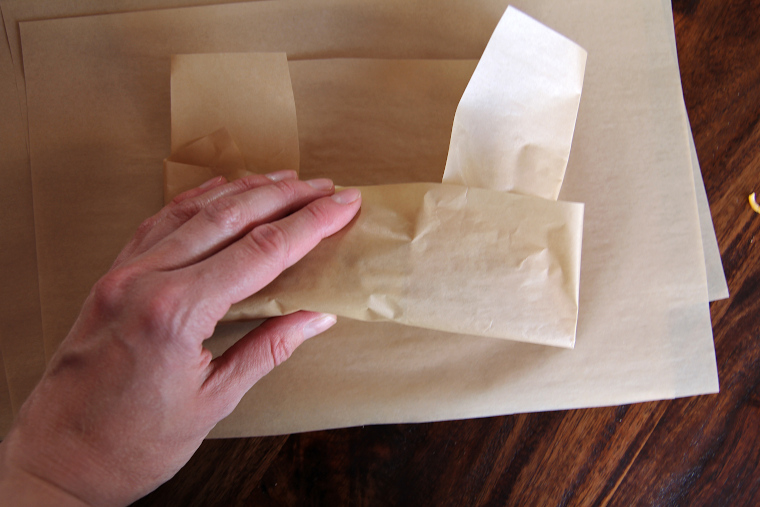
{"x": 514, "y": 125}
{"x": 355, "y": 121}
{"x": 644, "y": 328}
{"x": 261, "y": 113}
{"x": 20, "y": 327}
{"x": 200, "y": 160}
{"x": 15, "y": 11}
{"x": 717, "y": 288}
{"x": 23, "y": 329}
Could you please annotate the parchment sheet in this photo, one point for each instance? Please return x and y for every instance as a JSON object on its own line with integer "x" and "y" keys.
{"x": 15, "y": 11}
{"x": 20, "y": 324}
{"x": 637, "y": 340}
{"x": 514, "y": 125}
{"x": 717, "y": 288}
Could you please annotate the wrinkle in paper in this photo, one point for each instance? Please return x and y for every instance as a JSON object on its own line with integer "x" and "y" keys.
{"x": 200, "y": 160}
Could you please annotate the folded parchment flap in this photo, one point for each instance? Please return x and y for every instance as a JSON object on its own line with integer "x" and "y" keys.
{"x": 443, "y": 257}
{"x": 514, "y": 125}
{"x": 249, "y": 94}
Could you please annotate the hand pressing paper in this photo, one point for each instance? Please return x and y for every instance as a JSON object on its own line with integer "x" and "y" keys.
{"x": 438, "y": 256}
{"x": 443, "y": 257}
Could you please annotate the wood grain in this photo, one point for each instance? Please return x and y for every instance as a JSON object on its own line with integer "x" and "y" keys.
{"x": 694, "y": 451}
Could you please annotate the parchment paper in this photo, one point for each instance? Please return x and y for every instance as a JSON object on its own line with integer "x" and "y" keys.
{"x": 514, "y": 125}
{"x": 15, "y": 11}
{"x": 717, "y": 288}
{"x": 645, "y": 331}
{"x": 20, "y": 326}
{"x": 202, "y": 159}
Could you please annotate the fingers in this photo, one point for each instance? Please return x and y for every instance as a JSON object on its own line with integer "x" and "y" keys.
{"x": 257, "y": 258}
{"x": 233, "y": 373}
{"x": 227, "y": 218}
{"x": 187, "y": 205}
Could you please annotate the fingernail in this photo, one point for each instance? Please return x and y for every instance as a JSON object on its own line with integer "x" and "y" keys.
{"x": 211, "y": 182}
{"x": 319, "y": 325}
{"x": 347, "y": 196}
{"x": 282, "y": 175}
{"x": 320, "y": 184}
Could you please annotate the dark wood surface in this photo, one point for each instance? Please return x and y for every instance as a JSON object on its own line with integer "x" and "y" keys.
{"x": 695, "y": 451}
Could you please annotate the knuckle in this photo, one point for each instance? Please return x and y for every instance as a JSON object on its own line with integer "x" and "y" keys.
{"x": 318, "y": 216}
{"x": 160, "y": 310}
{"x": 154, "y": 306}
{"x": 184, "y": 210}
{"x": 245, "y": 183}
{"x": 144, "y": 228}
{"x": 110, "y": 292}
{"x": 271, "y": 241}
{"x": 224, "y": 213}
{"x": 288, "y": 189}
{"x": 280, "y": 349}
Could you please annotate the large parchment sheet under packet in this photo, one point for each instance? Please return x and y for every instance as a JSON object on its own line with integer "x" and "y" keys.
{"x": 644, "y": 326}
{"x": 514, "y": 125}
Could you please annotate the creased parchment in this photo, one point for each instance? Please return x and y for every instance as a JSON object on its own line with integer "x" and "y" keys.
{"x": 200, "y": 160}
{"x": 443, "y": 257}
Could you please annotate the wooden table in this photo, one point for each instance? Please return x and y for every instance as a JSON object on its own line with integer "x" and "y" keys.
{"x": 695, "y": 451}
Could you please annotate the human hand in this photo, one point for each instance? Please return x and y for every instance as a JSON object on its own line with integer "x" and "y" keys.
{"x": 131, "y": 392}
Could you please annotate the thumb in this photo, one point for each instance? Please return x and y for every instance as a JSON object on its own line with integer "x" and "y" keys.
{"x": 257, "y": 353}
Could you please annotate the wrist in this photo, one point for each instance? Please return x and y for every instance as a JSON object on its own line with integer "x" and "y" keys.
{"x": 19, "y": 487}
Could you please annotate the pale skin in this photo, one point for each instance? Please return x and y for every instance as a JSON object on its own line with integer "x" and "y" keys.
{"x": 131, "y": 392}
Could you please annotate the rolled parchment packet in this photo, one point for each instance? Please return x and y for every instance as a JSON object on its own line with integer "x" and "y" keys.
{"x": 443, "y": 257}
